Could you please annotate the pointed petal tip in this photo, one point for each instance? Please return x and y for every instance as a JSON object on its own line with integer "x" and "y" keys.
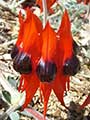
{"x": 20, "y": 17}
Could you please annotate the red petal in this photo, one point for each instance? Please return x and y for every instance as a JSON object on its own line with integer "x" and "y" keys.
{"x": 48, "y": 53}
{"x": 39, "y": 2}
{"x": 32, "y": 26}
{"x": 20, "y": 35}
{"x": 20, "y": 18}
{"x": 31, "y": 84}
{"x": 28, "y": 34}
{"x": 49, "y": 43}
{"x": 21, "y": 83}
{"x": 85, "y": 1}
{"x": 64, "y": 51}
{"x": 66, "y": 40}
{"x": 79, "y": 1}
{"x": 59, "y": 86}
{"x": 49, "y": 3}
{"x": 46, "y": 90}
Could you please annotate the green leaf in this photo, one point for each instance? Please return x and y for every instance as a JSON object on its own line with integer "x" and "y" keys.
{"x": 14, "y": 116}
{"x": 12, "y": 81}
{"x": 7, "y": 96}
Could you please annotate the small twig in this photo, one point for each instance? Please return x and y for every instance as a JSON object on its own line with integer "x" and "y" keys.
{"x": 15, "y": 4}
{"x": 9, "y": 111}
{"x": 54, "y": 15}
{"x": 83, "y": 75}
{"x": 5, "y": 68}
{"x": 1, "y": 69}
{"x": 6, "y": 44}
{"x": 7, "y": 8}
{"x": 35, "y": 114}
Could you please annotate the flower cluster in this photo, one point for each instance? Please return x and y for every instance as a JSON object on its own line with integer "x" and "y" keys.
{"x": 44, "y": 58}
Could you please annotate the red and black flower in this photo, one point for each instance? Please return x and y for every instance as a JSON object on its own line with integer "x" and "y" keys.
{"x": 45, "y": 59}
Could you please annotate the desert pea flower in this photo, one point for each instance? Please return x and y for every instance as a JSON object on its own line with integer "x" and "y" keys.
{"x": 26, "y": 54}
{"x": 28, "y": 41}
{"x": 46, "y": 68}
{"x": 42, "y": 55}
{"x": 58, "y": 52}
{"x": 43, "y": 49}
{"x": 55, "y": 50}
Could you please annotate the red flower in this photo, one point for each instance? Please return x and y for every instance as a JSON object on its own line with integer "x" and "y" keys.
{"x": 61, "y": 49}
{"x": 29, "y": 31}
{"x": 44, "y": 58}
{"x": 46, "y": 68}
{"x": 85, "y": 1}
{"x": 52, "y": 55}
{"x": 29, "y": 46}
{"x": 49, "y": 3}
{"x": 28, "y": 41}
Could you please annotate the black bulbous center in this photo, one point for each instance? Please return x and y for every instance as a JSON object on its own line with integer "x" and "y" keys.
{"x": 14, "y": 51}
{"x": 46, "y": 71}
{"x": 22, "y": 63}
{"x": 71, "y": 66}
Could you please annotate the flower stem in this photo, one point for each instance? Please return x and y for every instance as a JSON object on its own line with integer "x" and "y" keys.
{"x": 44, "y": 4}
